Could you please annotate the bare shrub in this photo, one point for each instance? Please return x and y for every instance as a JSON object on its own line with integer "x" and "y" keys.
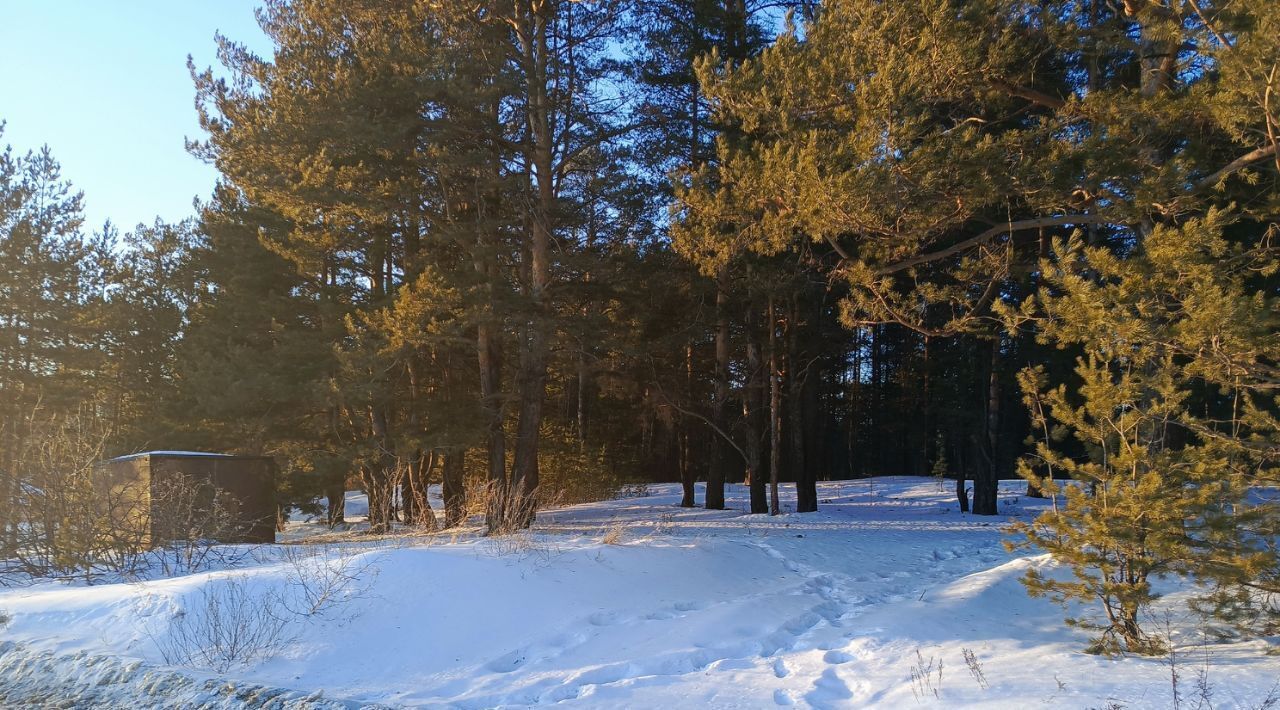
{"x": 189, "y": 517}
{"x": 69, "y": 517}
{"x": 322, "y": 577}
{"x": 5, "y": 618}
{"x": 633, "y": 490}
{"x": 60, "y": 522}
{"x": 414, "y": 481}
{"x": 1271, "y": 699}
{"x": 926, "y": 678}
{"x": 228, "y": 626}
{"x": 522, "y": 545}
{"x": 975, "y": 668}
{"x": 1204, "y": 688}
{"x": 508, "y": 512}
{"x": 614, "y": 534}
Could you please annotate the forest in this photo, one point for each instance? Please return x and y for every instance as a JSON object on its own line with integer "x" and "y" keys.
{"x": 536, "y": 252}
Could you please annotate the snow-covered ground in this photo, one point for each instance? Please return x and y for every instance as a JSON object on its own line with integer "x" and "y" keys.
{"x": 871, "y": 602}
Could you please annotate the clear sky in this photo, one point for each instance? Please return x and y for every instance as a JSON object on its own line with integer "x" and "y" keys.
{"x": 104, "y": 83}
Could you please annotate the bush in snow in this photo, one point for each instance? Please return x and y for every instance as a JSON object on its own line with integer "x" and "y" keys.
{"x": 231, "y": 624}
{"x": 193, "y": 515}
{"x": 69, "y": 520}
{"x": 322, "y": 577}
{"x": 60, "y": 524}
{"x": 613, "y": 534}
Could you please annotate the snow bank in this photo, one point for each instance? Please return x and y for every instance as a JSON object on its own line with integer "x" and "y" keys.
{"x": 43, "y": 679}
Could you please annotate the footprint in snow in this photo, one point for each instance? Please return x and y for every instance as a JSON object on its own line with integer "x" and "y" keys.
{"x": 829, "y": 691}
{"x": 603, "y": 618}
{"x": 836, "y": 658}
{"x": 507, "y": 663}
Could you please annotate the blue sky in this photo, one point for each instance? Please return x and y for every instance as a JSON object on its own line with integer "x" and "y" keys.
{"x": 104, "y": 83}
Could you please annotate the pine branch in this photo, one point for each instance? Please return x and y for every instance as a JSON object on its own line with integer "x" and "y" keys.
{"x": 1252, "y": 156}
{"x": 1008, "y": 227}
{"x": 1025, "y": 92}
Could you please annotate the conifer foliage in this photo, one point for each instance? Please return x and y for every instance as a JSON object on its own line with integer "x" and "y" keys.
{"x": 531, "y": 249}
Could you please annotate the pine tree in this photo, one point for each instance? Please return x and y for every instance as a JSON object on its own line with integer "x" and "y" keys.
{"x": 51, "y": 275}
{"x": 255, "y": 356}
{"x": 1176, "y": 420}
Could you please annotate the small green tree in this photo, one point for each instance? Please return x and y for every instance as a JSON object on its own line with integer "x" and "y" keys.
{"x": 1173, "y": 414}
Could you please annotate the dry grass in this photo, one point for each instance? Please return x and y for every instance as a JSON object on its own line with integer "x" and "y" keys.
{"x": 614, "y": 534}
{"x": 926, "y": 678}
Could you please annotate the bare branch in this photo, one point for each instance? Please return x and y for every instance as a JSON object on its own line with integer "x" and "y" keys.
{"x": 1252, "y": 156}
{"x": 1025, "y": 92}
{"x": 1008, "y": 227}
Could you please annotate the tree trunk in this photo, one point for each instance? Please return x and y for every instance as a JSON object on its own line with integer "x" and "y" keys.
{"x": 801, "y": 472}
{"x": 453, "y": 487}
{"x": 775, "y": 412}
{"x": 754, "y": 414}
{"x": 336, "y": 495}
{"x": 413, "y": 489}
{"x": 720, "y": 405}
{"x": 686, "y": 466}
{"x": 533, "y": 37}
{"x": 8, "y": 503}
{"x": 520, "y": 507}
{"x": 378, "y": 476}
{"x": 375, "y": 494}
{"x": 417, "y": 508}
{"x": 986, "y": 483}
{"x": 583, "y": 392}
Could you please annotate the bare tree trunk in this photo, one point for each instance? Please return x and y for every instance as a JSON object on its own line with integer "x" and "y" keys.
{"x": 987, "y": 482}
{"x": 417, "y": 507}
{"x": 720, "y": 404}
{"x": 753, "y": 413}
{"x": 686, "y": 466}
{"x": 378, "y": 475}
{"x": 8, "y": 500}
{"x": 805, "y": 480}
{"x": 775, "y": 412}
{"x": 453, "y": 487}
{"x": 584, "y": 386}
{"x": 532, "y": 393}
{"x": 496, "y": 438}
{"x": 412, "y": 487}
{"x": 530, "y": 22}
{"x": 336, "y": 495}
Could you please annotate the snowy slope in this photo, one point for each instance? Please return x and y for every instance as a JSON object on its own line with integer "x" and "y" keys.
{"x": 693, "y": 608}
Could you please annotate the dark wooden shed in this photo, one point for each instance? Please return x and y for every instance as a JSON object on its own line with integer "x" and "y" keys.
{"x": 250, "y": 480}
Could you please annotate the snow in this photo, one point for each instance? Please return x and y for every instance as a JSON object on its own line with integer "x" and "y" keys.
{"x": 693, "y": 608}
